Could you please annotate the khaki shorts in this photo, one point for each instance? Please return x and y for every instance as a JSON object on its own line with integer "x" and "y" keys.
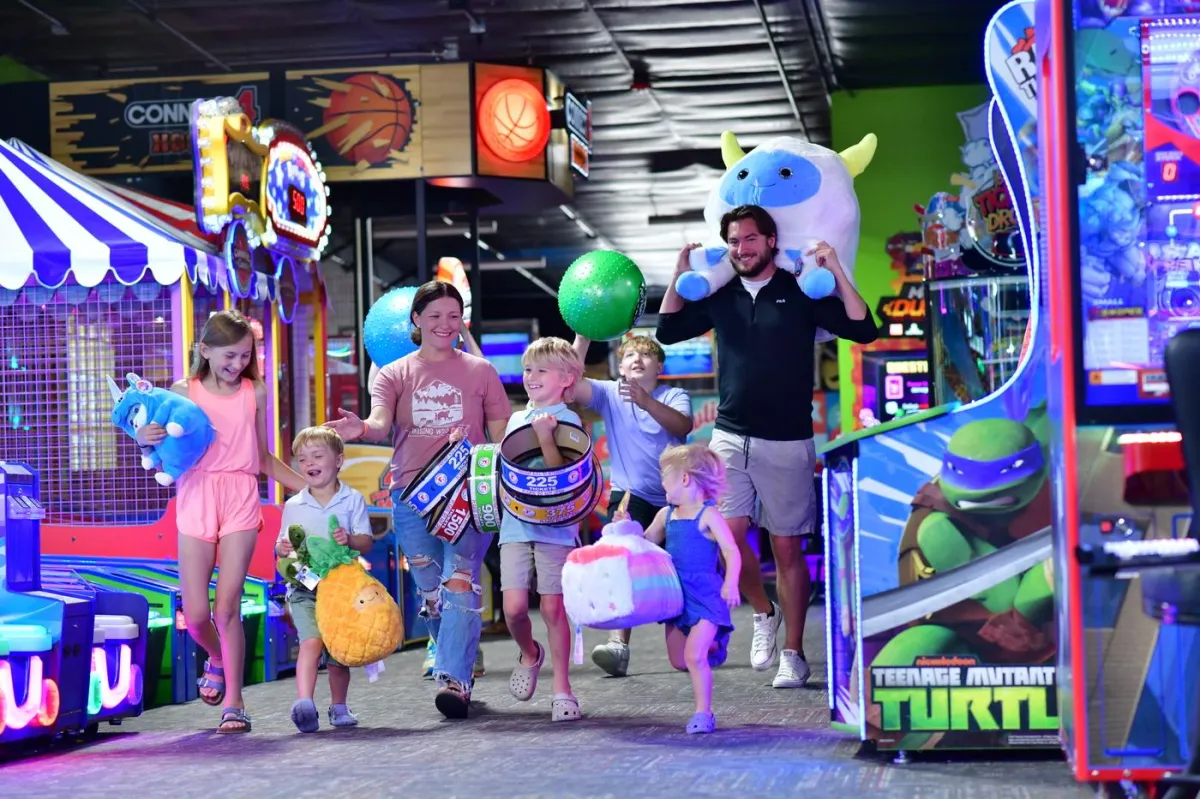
{"x": 530, "y": 565}
{"x": 302, "y": 604}
{"x": 776, "y": 475}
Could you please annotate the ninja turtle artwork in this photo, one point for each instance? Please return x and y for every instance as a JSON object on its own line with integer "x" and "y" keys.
{"x": 991, "y": 491}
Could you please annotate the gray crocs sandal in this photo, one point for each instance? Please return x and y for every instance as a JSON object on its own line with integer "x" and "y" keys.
{"x": 564, "y": 707}
{"x": 341, "y": 716}
{"x": 702, "y": 724}
{"x": 304, "y": 715}
{"x": 523, "y": 682}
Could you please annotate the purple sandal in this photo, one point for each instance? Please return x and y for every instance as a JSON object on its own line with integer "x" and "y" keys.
{"x": 216, "y": 685}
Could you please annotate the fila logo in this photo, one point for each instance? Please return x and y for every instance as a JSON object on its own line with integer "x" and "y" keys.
{"x": 780, "y": 302}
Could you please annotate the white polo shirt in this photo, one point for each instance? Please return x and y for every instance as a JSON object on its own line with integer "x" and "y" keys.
{"x": 347, "y": 505}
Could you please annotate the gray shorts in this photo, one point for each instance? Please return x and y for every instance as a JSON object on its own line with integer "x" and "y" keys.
{"x": 302, "y": 604}
{"x": 778, "y": 475}
{"x": 529, "y": 565}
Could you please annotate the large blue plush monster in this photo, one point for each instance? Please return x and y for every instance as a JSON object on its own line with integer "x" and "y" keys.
{"x": 808, "y": 190}
{"x": 189, "y": 432}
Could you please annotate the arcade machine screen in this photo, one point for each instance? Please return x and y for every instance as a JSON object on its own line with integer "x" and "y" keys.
{"x": 976, "y": 331}
{"x": 245, "y": 171}
{"x": 504, "y": 351}
{"x": 1139, "y": 207}
{"x": 895, "y": 384}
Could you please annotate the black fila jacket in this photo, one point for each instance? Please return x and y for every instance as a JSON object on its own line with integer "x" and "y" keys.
{"x": 765, "y": 348}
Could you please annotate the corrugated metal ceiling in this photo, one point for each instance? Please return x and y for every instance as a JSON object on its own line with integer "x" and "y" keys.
{"x": 759, "y": 67}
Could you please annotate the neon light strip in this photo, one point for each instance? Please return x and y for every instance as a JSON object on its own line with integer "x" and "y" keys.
{"x": 110, "y": 696}
{"x": 275, "y": 443}
{"x": 321, "y": 340}
{"x": 41, "y": 705}
{"x": 864, "y": 701}
{"x": 830, "y": 664}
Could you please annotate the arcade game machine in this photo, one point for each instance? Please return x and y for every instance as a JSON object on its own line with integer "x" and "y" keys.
{"x": 1121, "y": 163}
{"x": 70, "y": 657}
{"x": 171, "y": 654}
{"x": 941, "y": 616}
{"x": 892, "y": 374}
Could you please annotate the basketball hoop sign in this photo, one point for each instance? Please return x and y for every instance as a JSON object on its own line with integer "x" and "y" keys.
{"x": 514, "y": 121}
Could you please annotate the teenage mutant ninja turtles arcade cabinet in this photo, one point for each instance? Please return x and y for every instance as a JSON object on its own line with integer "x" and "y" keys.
{"x": 941, "y": 615}
{"x": 1120, "y": 135}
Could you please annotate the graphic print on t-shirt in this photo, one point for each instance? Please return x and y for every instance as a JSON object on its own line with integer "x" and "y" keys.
{"x": 437, "y": 406}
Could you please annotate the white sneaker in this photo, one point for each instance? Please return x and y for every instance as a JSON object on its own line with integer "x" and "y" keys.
{"x": 612, "y": 657}
{"x": 793, "y": 670}
{"x": 763, "y": 647}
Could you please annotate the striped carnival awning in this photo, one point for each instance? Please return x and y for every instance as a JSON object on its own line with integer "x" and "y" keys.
{"x": 55, "y": 224}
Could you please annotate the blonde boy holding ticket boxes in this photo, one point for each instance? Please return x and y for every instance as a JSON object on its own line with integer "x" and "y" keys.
{"x": 532, "y": 555}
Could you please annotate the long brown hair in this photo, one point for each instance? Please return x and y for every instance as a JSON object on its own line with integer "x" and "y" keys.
{"x": 433, "y": 290}
{"x": 224, "y": 329}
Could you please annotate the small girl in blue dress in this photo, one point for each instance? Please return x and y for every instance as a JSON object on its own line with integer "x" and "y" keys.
{"x": 695, "y": 533}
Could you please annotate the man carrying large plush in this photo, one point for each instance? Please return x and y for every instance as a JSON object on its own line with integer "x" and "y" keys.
{"x": 766, "y": 328}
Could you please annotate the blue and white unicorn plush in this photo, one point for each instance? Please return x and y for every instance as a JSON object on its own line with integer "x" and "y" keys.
{"x": 807, "y": 189}
{"x": 189, "y": 432}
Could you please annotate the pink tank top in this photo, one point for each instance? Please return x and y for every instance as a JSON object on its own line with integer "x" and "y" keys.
{"x": 235, "y": 447}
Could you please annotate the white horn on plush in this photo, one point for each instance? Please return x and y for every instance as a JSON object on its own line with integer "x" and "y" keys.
{"x": 113, "y": 389}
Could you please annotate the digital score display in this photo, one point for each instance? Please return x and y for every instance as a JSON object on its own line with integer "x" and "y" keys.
{"x": 297, "y": 205}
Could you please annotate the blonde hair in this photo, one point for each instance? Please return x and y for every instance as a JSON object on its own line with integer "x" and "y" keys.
{"x": 556, "y": 353}
{"x": 700, "y": 463}
{"x": 224, "y": 329}
{"x": 319, "y": 435}
{"x": 644, "y": 345}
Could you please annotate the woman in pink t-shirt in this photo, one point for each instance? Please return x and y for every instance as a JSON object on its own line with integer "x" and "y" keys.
{"x": 423, "y": 399}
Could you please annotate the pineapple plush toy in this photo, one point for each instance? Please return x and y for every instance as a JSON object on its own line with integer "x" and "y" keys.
{"x": 359, "y": 621}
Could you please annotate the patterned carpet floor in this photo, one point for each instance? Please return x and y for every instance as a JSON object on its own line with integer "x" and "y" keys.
{"x": 630, "y": 743}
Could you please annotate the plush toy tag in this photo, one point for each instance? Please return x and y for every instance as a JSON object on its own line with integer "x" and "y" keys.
{"x": 373, "y": 670}
{"x": 307, "y": 578}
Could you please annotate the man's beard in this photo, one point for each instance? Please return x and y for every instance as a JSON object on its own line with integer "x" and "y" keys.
{"x": 754, "y": 269}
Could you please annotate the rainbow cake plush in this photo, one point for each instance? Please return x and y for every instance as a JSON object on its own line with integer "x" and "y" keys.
{"x": 621, "y": 581}
{"x": 809, "y": 192}
{"x": 189, "y": 432}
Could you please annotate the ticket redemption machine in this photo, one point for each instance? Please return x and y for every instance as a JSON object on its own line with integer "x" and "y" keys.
{"x": 1120, "y": 161}
{"x": 940, "y": 598}
{"x": 70, "y": 657}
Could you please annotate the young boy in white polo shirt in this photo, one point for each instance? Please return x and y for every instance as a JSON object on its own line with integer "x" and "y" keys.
{"x": 319, "y": 452}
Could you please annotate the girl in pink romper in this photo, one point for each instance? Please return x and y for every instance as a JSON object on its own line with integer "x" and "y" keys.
{"x": 218, "y": 506}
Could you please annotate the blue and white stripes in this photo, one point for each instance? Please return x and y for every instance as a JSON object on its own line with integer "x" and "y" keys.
{"x": 53, "y": 225}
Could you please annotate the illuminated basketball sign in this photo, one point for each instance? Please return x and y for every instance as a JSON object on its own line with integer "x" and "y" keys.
{"x": 514, "y": 122}
{"x": 264, "y": 175}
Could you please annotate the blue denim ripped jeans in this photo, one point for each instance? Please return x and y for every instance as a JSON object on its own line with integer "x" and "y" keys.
{"x": 454, "y": 617}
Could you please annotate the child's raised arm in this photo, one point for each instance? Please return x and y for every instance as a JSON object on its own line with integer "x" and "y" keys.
{"x": 656, "y": 533}
{"x": 715, "y": 523}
